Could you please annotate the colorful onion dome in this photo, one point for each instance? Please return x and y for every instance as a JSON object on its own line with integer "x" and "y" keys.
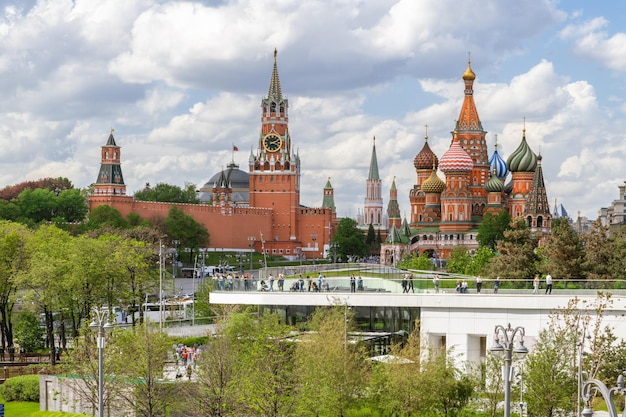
{"x": 523, "y": 159}
{"x": 456, "y": 159}
{"x": 433, "y": 184}
{"x": 495, "y": 184}
{"x": 425, "y": 158}
{"x": 498, "y": 164}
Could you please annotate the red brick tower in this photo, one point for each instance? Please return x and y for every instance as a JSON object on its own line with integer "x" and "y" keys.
{"x": 471, "y": 137}
{"x": 275, "y": 169}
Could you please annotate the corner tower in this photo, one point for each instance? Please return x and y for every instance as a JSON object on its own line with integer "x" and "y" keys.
{"x": 110, "y": 180}
{"x": 275, "y": 169}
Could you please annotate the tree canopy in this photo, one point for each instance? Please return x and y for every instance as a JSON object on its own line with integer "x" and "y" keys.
{"x": 349, "y": 240}
{"x": 168, "y": 193}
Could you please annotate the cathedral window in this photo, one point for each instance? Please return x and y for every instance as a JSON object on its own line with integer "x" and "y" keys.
{"x": 273, "y": 107}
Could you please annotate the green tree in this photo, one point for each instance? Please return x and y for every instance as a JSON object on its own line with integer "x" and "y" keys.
{"x": 330, "y": 371}
{"x": 168, "y": 193}
{"x": 28, "y": 331}
{"x": 480, "y": 261}
{"x": 617, "y": 262}
{"x": 105, "y": 215}
{"x": 9, "y": 210}
{"x": 349, "y": 240}
{"x": 71, "y": 206}
{"x": 216, "y": 392}
{"x": 265, "y": 364}
{"x": 516, "y": 254}
{"x": 492, "y": 228}
{"x": 186, "y": 230}
{"x": 36, "y": 205}
{"x": 371, "y": 240}
{"x": 14, "y": 257}
{"x": 551, "y": 367}
{"x": 420, "y": 262}
{"x": 43, "y": 278}
{"x": 598, "y": 254}
{"x": 140, "y": 356}
{"x": 459, "y": 260}
{"x": 564, "y": 251}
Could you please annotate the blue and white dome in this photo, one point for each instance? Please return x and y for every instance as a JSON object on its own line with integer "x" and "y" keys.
{"x": 497, "y": 164}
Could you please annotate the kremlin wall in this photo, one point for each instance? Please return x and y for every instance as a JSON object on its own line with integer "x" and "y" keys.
{"x": 262, "y": 210}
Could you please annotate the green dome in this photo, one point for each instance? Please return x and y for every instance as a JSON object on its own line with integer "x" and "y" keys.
{"x": 523, "y": 159}
{"x": 494, "y": 185}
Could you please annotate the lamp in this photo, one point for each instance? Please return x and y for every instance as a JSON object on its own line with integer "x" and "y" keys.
{"x": 101, "y": 327}
{"x": 504, "y": 341}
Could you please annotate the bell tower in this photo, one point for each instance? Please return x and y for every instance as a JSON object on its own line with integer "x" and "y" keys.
{"x": 274, "y": 168}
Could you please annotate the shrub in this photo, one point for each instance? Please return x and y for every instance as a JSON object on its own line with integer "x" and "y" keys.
{"x": 21, "y": 388}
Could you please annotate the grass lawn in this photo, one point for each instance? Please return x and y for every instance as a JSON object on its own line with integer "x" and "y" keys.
{"x": 28, "y": 409}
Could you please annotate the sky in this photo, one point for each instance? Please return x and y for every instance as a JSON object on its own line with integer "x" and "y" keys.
{"x": 182, "y": 82}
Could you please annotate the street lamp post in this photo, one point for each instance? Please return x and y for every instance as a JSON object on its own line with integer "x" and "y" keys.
{"x": 504, "y": 341}
{"x": 592, "y": 386}
{"x": 99, "y": 325}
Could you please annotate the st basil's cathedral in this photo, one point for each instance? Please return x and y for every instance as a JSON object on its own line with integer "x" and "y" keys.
{"x": 446, "y": 213}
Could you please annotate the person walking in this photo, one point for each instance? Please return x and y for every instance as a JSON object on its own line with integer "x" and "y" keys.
{"x": 548, "y": 284}
{"x": 436, "y": 283}
{"x": 536, "y": 284}
{"x": 411, "y": 287}
{"x": 479, "y": 284}
{"x": 496, "y": 285}
{"x": 352, "y": 283}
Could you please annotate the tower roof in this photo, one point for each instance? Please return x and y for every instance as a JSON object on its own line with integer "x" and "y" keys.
{"x": 373, "y": 173}
{"x": 468, "y": 118}
{"x": 328, "y": 200}
{"x": 275, "y": 91}
{"x": 537, "y": 199}
{"x": 426, "y": 157}
{"x": 523, "y": 159}
{"x": 433, "y": 184}
{"x": 111, "y": 140}
{"x": 495, "y": 184}
{"x": 456, "y": 159}
{"x": 497, "y": 164}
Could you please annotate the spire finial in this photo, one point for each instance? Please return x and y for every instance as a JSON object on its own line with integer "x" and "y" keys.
{"x": 112, "y": 130}
{"x": 275, "y": 53}
{"x": 524, "y": 129}
{"x": 426, "y": 137}
{"x": 496, "y": 145}
{"x": 469, "y": 57}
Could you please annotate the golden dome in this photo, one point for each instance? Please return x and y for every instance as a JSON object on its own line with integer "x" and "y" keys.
{"x": 433, "y": 184}
{"x": 469, "y": 75}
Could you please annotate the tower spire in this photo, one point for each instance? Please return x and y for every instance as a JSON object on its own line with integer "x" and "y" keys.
{"x": 373, "y": 174}
{"x": 275, "y": 91}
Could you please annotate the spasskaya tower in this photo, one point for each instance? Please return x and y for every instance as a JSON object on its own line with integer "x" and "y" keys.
{"x": 274, "y": 168}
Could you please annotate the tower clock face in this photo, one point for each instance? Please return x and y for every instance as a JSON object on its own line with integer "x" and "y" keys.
{"x": 272, "y": 142}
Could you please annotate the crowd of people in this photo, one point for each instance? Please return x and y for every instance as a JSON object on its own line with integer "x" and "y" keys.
{"x": 185, "y": 357}
{"x": 248, "y": 282}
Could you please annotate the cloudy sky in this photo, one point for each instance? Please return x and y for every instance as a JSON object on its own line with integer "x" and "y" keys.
{"x": 181, "y": 82}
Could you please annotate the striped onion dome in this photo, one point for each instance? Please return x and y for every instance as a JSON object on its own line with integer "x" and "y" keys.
{"x": 523, "y": 159}
{"x": 426, "y": 157}
{"x": 498, "y": 164}
{"x": 495, "y": 184}
{"x": 433, "y": 184}
{"x": 456, "y": 159}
